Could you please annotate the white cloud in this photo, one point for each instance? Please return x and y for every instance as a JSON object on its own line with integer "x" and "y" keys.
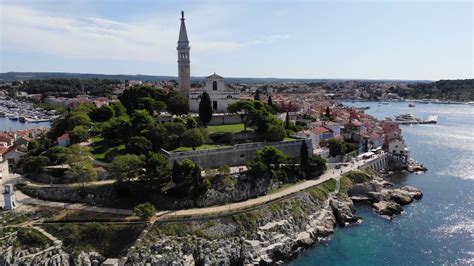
{"x": 95, "y": 38}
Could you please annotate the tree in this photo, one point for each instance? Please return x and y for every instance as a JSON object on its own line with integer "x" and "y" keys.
{"x": 33, "y": 164}
{"x": 141, "y": 119}
{"x": 192, "y": 138}
{"x": 190, "y": 122}
{"x": 81, "y": 172}
{"x": 117, "y": 129}
{"x": 126, "y": 167}
{"x": 336, "y": 147}
{"x": 176, "y": 103}
{"x": 257, "y": 95}
{"x": 243, "y": 108}
{"x": 183, "y": 174}
{"x": 205, "y": 109}
{"x": 317, "y": 164}
{"x": 144, "y": 210}
{"x": 118, "y": 108}
{"x": 177, "y": 128}
{"x": 287, "y": 121}
{"x": 275, "y": 133}
{"x": 79, "y": 119}
{"x": 304, "y": 160}
{"x": 156, "y": 169}
{"x": 102, "y": 114}
{"x": 270, "y": 102}
{"x": 270, "y": 156}
{"x": 139, "y": 145}
{"x": 328, "y": 112}
{"x": 79, "y": 134}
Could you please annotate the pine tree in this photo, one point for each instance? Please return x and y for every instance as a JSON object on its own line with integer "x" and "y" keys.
{"x": 257, "y": 96}
{"x": 205, "y": 109}
{"x": 270, "y": 102}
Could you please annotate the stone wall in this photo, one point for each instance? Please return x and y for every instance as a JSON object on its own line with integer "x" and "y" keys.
{"x": 236, "y": 155}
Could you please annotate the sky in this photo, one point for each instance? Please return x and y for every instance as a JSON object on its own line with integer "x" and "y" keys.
{"x": 417, "y": 40}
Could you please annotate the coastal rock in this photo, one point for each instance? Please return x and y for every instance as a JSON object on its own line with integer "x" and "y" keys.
{"x": 401, "y": 197}
{"x": 415, "y": 192}
{"x": 388, "y": 208}
{"x": 344, "y": 211}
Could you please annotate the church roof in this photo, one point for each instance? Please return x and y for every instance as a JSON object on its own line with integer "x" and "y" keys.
{"x": 183, "y": 35}
{"x": 214, "y": 76}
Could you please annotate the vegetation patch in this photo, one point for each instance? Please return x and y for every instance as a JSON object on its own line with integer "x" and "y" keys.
{"x": 29, "y": 237}
{"x": 107, "y": 239}
{"x": 232, "y": 128}
{"x": 358, "y": 176}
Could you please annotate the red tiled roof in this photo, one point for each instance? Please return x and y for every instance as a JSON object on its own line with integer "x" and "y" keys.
{"x": 320, "y": 130}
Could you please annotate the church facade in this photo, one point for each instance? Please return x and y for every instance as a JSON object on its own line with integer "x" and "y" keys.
{"x": 221, "y": 96}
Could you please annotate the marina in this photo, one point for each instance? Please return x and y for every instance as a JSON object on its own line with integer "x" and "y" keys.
{"x": 25, "y": 112}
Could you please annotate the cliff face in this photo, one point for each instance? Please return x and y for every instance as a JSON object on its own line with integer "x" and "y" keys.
{"x": 275, "y": 232}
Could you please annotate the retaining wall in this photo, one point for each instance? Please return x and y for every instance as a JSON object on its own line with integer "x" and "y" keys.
{"x": 236, "y": 155}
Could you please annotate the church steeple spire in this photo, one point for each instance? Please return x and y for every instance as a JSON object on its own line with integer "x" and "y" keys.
{"x": 183, "y": 35}
{"x": 184, "y": 64}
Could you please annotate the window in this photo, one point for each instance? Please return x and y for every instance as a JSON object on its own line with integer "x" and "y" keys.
{"x": 242, "y": 156}
{"x": 214, "y": 104}
{"x": 214, "y": 85}
{"x": 229, "y": 96}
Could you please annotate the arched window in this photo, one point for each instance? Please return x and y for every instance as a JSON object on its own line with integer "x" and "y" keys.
{"x": 229, "y": 96}
{"x": 214, "y": 85}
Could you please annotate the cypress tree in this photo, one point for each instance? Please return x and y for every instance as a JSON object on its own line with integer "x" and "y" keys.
{"x": 257, "y": 96}
{"x": 270, "y": 102}
{"x": 287, "y": 120}
{"x": 328, "y": 112}
{"x": 304, "y": 158}
{"x": 205, "y": 109}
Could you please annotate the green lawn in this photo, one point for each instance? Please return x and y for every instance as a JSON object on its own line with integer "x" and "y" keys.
{"x": 101, "y": 151}
{"x": 289, "y": 139}
{"x": 202, "y": 147}
{"x": 234, "y": 128}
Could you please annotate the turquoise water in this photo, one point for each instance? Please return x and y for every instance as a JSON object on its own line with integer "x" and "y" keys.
{"x": 439, "y": 229}
{"x": 7, "y": 124}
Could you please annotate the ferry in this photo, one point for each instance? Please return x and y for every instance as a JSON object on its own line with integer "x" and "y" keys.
{"x": 410, "y": 119}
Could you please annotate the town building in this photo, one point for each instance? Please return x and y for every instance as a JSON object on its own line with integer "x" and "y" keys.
{"x": 221, "y": 95}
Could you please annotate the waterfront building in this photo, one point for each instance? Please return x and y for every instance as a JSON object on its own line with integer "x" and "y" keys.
{"x": 221, "y": 95}
{"x": 184, "y": 64}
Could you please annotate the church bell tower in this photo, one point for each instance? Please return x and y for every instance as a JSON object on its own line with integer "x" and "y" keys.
{"x": 184, "y": 68}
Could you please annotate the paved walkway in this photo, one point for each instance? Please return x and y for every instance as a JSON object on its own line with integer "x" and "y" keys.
{"x": 228, "y": 208}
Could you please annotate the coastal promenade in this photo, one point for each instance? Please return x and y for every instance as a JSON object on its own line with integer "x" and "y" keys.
{"x": 197, "y": 212}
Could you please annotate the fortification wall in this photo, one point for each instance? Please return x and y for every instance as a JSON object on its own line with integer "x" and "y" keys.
{"x": 236, "y": 155}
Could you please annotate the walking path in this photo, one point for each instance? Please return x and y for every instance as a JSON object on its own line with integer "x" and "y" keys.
{"x": 228, "y": 208}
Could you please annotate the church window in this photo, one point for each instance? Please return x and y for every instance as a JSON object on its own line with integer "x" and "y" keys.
{"x": 229, "y": 96}
{"x": 214, "y": 85}
{"x": 214, "y": 104}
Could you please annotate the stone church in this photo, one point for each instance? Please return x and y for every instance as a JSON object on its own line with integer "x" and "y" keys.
{"x": 221, "y": 96}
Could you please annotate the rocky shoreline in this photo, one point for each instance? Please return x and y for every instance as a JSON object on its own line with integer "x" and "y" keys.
{"x": 279, "y": 234}
{"x": 270, "y": 234}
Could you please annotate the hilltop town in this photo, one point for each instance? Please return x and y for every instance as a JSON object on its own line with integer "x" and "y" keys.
{"x": 176, "y": 172}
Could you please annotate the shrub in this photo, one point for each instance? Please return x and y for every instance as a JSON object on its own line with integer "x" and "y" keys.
{"x": 144, "y": 210}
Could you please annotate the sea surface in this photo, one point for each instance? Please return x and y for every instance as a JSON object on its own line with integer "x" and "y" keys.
{"x": 436, "y": 230}
{"x": 8, "y": 124}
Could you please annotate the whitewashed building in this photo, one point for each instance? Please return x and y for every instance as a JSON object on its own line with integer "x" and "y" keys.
{"x": 221, "y": 96}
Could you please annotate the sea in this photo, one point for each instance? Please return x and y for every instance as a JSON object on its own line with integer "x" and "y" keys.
{"x": 436, "y": 230}
{"x": 8, "y": 124}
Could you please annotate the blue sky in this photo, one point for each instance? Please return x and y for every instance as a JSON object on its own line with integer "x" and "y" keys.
{"x": 288, "y": 39}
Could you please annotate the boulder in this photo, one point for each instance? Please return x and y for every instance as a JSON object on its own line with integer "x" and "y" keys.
{"x": 344, "y": 211}
{"x": 388, "y": 208}
{"x": 401, "y": 197}
{"x": 416, "y": 193}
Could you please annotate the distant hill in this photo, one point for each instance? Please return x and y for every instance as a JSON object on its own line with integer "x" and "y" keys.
{"x": 12, "y": 76}
{"x": 456, "y": 90}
